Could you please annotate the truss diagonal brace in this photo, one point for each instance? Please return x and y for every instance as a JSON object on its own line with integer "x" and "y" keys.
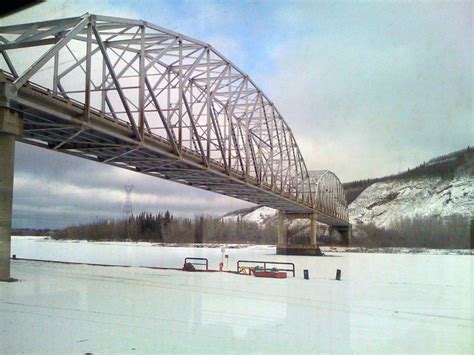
{"x": 162, "y": 117}
{"x": 18, "y": 83}
{"x": 116, "y": 82}
{"x": 196, "y": 134}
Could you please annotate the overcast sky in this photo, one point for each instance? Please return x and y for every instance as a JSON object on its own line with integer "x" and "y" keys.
{"x": 368, "y": 89}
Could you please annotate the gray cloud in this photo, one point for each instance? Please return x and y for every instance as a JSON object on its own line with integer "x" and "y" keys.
{"x": 372, "y": 89}
{"x": 53, "y": 190}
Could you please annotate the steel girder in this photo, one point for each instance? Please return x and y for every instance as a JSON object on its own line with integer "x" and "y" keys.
{"x": 214, "y": 127}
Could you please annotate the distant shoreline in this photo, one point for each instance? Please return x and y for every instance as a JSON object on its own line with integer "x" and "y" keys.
{"x": 326, "y": 249}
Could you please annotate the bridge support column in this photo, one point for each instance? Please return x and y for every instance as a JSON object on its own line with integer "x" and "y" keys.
{"x": 10, "y": 127}
{"x": 281, "y": 230}
{"x": 285, "y": 248}
{"x": 345, "y": 233}
{"x": 314, "y": 230}
{"x": 330, "y": 229}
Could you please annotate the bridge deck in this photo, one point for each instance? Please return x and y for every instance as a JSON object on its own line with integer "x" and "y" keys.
{"x": 56, "y": 123}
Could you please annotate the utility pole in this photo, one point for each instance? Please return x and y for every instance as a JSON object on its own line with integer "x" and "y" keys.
{"x": 128, "y": 208}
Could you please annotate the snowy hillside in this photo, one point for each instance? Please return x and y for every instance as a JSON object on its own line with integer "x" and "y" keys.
{"x": 443, "y": 187}
{"x": 385, "y": 203}
{"x": 258, "y": 214}
{"x": 267, "y": 217}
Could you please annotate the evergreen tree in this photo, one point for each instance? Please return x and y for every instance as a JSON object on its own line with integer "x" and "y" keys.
{"x": 199, "y": 230}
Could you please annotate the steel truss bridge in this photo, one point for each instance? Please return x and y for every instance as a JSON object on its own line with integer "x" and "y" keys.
{"x": 134, "y": 95}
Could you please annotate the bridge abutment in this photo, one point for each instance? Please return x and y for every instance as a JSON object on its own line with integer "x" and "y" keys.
{"x": 10, "y": 128}
{"x": 285, "y": 248}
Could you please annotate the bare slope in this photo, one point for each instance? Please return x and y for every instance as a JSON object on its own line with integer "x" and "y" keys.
{"x": 443, "y": 166}
{"x": 441, "y": 187}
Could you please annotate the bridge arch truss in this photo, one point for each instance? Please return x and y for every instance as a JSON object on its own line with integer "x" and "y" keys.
{"x": 329, "y": 192}
{"x": 135, "y": 95}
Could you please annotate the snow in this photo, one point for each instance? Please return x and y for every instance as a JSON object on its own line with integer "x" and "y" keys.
{"x": 428, "y": 197}
{"x": 384, "y": 303}
{"x": 128, "y": 253}
{"x": 260, "y": 215}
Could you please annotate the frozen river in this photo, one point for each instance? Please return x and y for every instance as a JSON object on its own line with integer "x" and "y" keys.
{"x": 384, "y": 303}
{"x": 130, "y": 253}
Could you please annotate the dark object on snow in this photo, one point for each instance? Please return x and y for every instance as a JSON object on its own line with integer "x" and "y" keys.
{"x": 319, "y": 252}
{"x": 14, "y": 256}
{"x": 269, "y": 273}
{"x": 11, "y": 279}
{"x": 265, "y": 263}
{"x": 306, "y": 274}
{"x": 193, "y": 262}
{"x": 338, "y": 275}
{"x": 188, "y": 267}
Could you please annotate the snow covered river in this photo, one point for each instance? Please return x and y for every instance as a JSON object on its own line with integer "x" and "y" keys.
{"x": 384, "y": 303}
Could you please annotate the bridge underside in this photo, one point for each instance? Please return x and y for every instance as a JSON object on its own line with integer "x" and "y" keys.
{"x": 51, "y": 122}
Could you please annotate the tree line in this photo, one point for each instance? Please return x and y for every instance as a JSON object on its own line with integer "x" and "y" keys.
{"x": 166, "y": 228}
{"x": 454, "y": 232}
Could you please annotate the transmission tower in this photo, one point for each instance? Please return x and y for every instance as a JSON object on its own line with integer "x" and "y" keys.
{"x": 127, "y": 206}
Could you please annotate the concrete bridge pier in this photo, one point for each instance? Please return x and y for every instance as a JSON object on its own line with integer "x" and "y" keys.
{"x": 10, "y": 127}
{"x": 283, "y": 247}
{"x": 282, "y": 231}
{"x": 345, "y": 233}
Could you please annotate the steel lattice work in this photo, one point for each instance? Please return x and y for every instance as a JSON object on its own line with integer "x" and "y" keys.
{"x": 329, "y": 192}
{"x": 135, "y": 95}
